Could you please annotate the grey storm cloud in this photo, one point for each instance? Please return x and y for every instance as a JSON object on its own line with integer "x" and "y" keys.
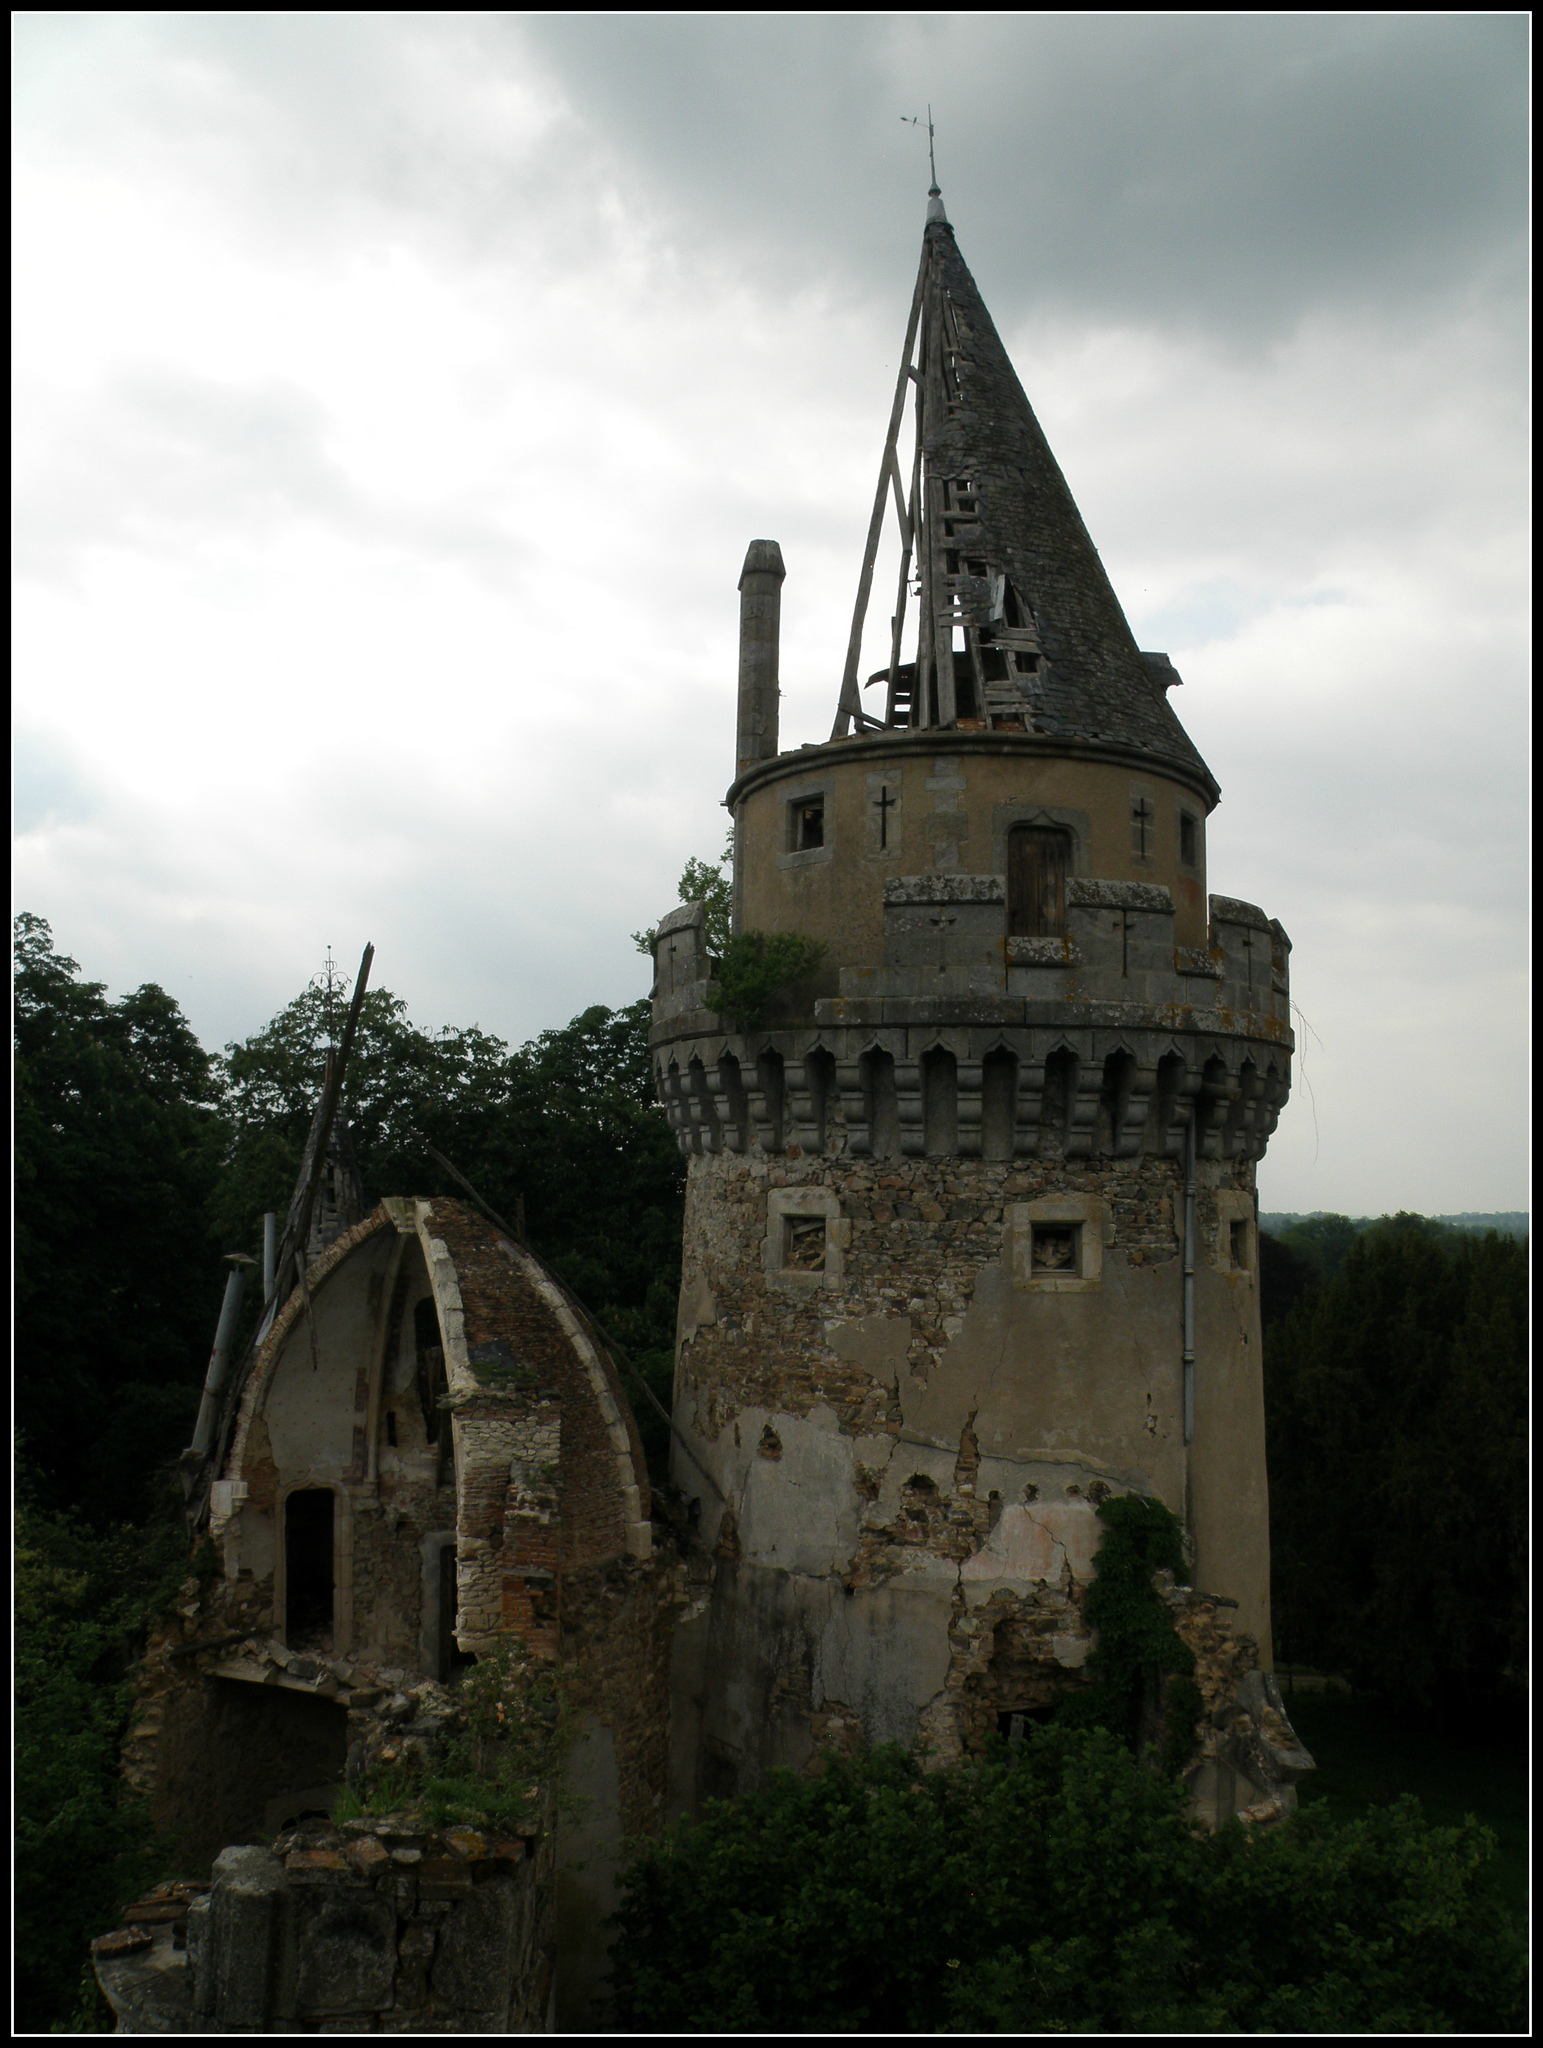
{"x": 158, "y": 458}
{"x": 1236, "y": 171}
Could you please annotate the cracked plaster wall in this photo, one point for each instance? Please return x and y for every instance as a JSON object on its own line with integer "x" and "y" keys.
{"x": 910, "y": 1461}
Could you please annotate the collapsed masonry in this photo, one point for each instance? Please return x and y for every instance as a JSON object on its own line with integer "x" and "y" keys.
{"x": 373, "y": 1926}
{"x": 428, "y": 1453}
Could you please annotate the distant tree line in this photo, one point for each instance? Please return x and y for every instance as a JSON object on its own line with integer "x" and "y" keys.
{"x": 1395, "y": 1371}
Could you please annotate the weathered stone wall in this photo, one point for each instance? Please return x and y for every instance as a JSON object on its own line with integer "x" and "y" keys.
{"x": 904, "y": 1423}
{"x": 377, "y": 1926}
{"x": 534, "y": 1484}
{"x": 513, "y": 1321}
{"x": 618, "y": 1625}
{"x": 914, "y": 1238}
{"x": 231, "y": 1729}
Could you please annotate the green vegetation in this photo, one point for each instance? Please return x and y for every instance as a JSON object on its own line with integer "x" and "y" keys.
{"x": 710, "y": 883}
{"x": 491, "y": 1772}
{"x": 1396, "y": 1409}
{"x": 1056, "y": 1889}
{"x": 83, "y": 1602}
{"x": 1366, "y": 1759}
{"x": 755, "y": 970}
{"x": 1142, "y": 1685}
{"x": 1063, "y": 1888}
{"x": 118, "y": 1146}
{"x": 751, "y": 969}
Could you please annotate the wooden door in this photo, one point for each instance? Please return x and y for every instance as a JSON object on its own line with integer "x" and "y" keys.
{"x": 1037, "y": 860}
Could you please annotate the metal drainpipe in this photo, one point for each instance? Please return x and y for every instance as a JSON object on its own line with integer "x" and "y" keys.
{"x": 270, "y": 1252}
{"x": 1189, "y": 1281}
{"x": 219, "y": 1357}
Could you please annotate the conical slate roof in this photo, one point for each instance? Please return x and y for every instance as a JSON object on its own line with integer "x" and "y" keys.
{"x": 1094, "y": 684}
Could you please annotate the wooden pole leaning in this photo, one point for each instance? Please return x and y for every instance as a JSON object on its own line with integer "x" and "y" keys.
{"x": 850, "y": 704}
{"x": 902, "y": 587}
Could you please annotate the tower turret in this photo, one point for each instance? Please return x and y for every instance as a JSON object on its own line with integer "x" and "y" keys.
{"x": 971, "y": 1225}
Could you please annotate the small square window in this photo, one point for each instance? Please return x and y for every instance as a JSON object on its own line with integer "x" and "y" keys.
{"x": 1056, "y": 1248}
{"x": 1056, "y": 1245}
{"x": 808, "y": 823}
{"x": 804, "y": 1238}
{"x": 1189, "y": 839}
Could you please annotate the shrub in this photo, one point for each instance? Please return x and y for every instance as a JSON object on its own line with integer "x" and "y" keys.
{"x": 83, "y": 1848}
{"x": 1060, "y": 1887}
{"x": 491, "y": 1764}
{"x": 1141, "y": 1670}
{"x": 755, "y": 969}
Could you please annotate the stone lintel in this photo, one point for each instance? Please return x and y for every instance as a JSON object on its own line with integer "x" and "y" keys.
{"x": 901, "y": 890}
{"x": 1085, "y": 893}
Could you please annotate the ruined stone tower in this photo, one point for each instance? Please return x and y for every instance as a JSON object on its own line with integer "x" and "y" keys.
{"x": 970, "y": 1232}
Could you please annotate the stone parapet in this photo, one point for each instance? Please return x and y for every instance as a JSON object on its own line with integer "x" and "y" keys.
{"x": 1106, "y": 1042}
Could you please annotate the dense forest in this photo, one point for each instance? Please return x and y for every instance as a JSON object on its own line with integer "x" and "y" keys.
{"x": 1395, "y": 1363}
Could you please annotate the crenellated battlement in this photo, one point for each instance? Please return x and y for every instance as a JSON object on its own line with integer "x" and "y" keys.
{"x": 1105, "y": 1043}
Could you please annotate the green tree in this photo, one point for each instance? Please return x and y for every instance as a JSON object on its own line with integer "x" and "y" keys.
{"x": 1396, "y": 1405}
{"x": 1322, "y": 1242}
{"x": 82, "y": 1597}
{"x": 710, "y": 883}
{"x": 118, "y": 1137}
{"x": 569, "y": 1125}
{"x": 1058, "y": 1889}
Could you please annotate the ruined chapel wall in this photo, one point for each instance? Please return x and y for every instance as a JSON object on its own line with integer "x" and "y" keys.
{"x": 516, "y": 1344}
{"x": 618, "y": 1621}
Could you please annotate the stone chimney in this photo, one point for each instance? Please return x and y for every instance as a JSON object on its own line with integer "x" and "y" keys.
{"x": 760, "y": 611}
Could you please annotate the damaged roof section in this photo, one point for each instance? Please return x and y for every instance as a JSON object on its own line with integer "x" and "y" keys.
{"x": 1017, "y": 626}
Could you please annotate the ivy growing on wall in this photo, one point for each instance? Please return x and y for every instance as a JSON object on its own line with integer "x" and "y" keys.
{"x": 1143, "y": 1688}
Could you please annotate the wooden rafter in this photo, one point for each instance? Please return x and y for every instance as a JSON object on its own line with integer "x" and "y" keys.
{"x": 849, "y": 708}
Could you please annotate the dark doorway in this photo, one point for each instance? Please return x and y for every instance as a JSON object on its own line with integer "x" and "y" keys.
{"x": 1037, "y": 861}
{"x": 1013, "y": 1723}
{"x": 308, "y": 1582}
{"x": 452, "y": 1658}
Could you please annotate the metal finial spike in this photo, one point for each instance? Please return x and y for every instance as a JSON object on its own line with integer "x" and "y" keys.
{"x": 934, "y": 195}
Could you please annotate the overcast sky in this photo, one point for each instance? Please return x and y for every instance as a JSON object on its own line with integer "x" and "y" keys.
{"x": 399, "y": 392}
